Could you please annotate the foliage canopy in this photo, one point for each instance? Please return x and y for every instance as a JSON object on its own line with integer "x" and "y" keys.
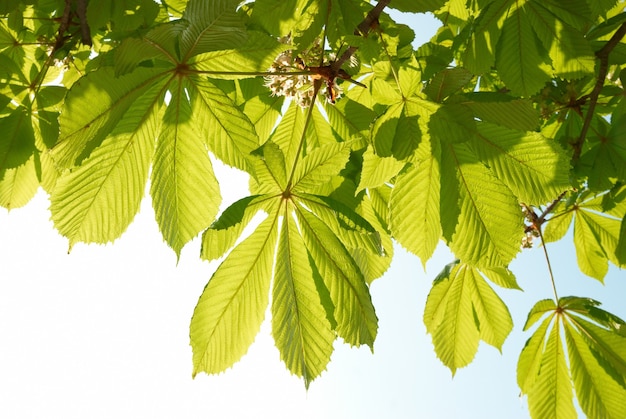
{"x": 508, "y": 125}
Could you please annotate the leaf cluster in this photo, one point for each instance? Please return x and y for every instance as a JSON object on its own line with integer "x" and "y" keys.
{"x": 507, "y": 125}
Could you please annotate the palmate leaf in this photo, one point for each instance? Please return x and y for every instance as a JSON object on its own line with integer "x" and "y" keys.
{"x": 597, "y": 360}
{"x": 231, "y": 308}
{"x": 300, "y": 328}
{"x": 597, "y": 233}
{"x": 184, "y": 189}
{"x": 487, "y": 216}
{"x": 462, "y": 309}
{"x": 414, "y": 205}
{"x": 533, "y": 167}
{"x": 354, "y": 313}
{"x": 97, "y": 201}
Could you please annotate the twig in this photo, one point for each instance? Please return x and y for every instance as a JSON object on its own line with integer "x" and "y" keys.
{"x": 603, "y": 57}
{"x": 363, "y": 29}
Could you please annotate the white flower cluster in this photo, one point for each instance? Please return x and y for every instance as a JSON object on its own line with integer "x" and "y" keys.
{"x": 296, "y": 86}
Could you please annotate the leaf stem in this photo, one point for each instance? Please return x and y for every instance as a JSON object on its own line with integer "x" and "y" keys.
{"x": 545, "y": 252}
{"x": 316, "y": 88}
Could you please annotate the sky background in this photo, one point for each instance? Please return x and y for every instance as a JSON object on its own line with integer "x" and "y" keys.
{"x": 102, "y": 332}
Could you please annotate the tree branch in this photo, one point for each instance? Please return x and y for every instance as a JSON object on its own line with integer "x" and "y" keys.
{"x": 603, "y": 57}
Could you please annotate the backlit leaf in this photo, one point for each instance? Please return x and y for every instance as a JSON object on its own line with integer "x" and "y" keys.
{"x": 356, "y": 319}
{"x": 235, "y": 299}
{"x": 300, "y": 328}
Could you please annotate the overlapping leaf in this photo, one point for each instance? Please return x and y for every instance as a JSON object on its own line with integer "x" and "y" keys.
{"x": 487, "y": 217}
{"x": 591, "y": 360}
{"x": 462, "y": 309}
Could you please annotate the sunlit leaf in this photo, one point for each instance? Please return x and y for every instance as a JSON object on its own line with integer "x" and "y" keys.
{"x": 184, "y": 189}
{"x": 489, "y": 219}
{"x": 97, "y": 201}
{"x": 93, "y": 107}
{"x": 356, "y": 319}
{"x": 415, "y": 203}
{"x": 235, "y": 298}
{"x": 533, "y": 167}
{"x": 18, "y": 185}
{"x": 300, "y": 328}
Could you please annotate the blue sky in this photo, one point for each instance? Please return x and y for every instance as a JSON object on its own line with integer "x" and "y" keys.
{"x": 102, "y": 332}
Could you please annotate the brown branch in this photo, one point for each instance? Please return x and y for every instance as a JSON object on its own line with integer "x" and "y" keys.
{"x": 363, "y": 29}
{"x": 81, "y": 12}
{"x": 63, "y": 27}
{"x": 603, "y": 69}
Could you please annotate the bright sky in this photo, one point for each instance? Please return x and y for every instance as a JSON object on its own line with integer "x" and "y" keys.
{"x": 102, "y": 332}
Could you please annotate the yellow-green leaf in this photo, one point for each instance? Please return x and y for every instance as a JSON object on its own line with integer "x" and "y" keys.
{"x": 231, "y": 308}
{"x": 300, "y": 328}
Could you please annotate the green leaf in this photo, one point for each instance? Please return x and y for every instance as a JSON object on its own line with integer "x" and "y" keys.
{"x": 557, "y": 226}
{"x": 289, "y": 132}
{"x": 489, "y": 220}
{"x": 529, "y": 362}
{"x": 98, "y": 200}
{"x": 480, "y": 52}
{"x": 538, "y": 311}
{"x": 501, "y": 276}
{"x": 184, "y": 189}
{"x": 620, "y": 250}
{"x": 449, "y": 318}
{"x": 377, "y": 170}
{"x": 226, "y": 130}
{"x": 235, "y": 299}
{"x": 93, "y": 107}
{"x": 213, "y": 25}
{"x": 320, "y": 166}
{"x": 397, "y": 132}
{"x": 18, "y": 185}
{"x": 300, "y": 328}
{"x": 518, "y": 114}
{"x": 570, "y": 52}
{"x": 533, "y": 167}
{"x": 18, "y": 139}
{"x": 447, "y": 82}
{"x": 599, "y": 395}
{"x": 460, "y": 310}
{"x": 354, "y": 231}
{"x": 550, "y": 395}
{"x": 519, "y": 61}
{"x": 271, "y": 172}
{"x": 224, "y": 232}
{"x": 256, "y": 55}
{"x": 356, "y": 319}
{"x": 415, "y": 203}
{"x": 596, "y": 237}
